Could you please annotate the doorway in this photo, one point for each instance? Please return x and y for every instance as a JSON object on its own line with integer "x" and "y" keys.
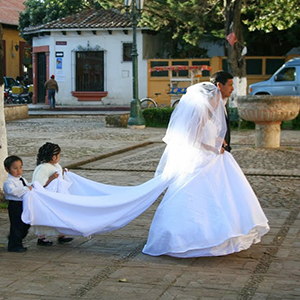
{"x": 41, "y": 77}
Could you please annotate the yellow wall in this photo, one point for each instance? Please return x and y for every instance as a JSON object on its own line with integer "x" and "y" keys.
{"x": 12, "y": 38}
{"x": 162, "y": 84}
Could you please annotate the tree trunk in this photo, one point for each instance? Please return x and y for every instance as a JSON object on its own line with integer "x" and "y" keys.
{"x": 236, "y": 62}
{"x": 3, "y": 139}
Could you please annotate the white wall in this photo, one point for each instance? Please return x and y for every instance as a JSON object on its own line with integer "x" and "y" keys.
{"x": 3, "y": 139}
{"x": 118, "y": 74}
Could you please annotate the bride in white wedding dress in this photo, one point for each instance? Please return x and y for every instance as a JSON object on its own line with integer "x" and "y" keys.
{"x": 209, "y": 208}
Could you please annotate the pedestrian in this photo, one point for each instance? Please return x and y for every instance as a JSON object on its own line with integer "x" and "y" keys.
{"x": 47, "y": 170}
{"x": 14, "y": 188}
{"x": 224, "y": 81}
{"x": 209, "y": 208}
{"x": 51, "y": 86}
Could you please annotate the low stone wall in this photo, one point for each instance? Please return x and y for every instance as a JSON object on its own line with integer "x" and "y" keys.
{"x": 15, "y": 112}
{"x": 119, "y": 120}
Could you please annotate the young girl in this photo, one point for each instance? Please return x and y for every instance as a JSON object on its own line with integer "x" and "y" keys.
{"x": 46, "y": 171}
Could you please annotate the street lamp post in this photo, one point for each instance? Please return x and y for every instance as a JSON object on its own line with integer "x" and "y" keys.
{"x": 136, "y": 119}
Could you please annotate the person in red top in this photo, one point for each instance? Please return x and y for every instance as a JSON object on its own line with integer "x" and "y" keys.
{"x": 52, "y": 87}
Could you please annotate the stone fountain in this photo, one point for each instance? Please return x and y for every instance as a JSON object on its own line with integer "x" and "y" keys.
{"x": 267, "y": 112}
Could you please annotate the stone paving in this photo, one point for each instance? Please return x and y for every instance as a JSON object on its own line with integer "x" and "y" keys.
{"x": 111, "y": 266}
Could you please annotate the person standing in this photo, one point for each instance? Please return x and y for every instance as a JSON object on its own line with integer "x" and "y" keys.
{"x": 14, "y": 188}
{"x": 51, "y": 86}
{"x": 47, "y": 170}
{"x": 224, "y": 82}
{"x": 209, "y": 208}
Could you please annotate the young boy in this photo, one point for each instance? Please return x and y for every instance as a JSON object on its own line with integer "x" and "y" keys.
{"x": 14, "y": 188}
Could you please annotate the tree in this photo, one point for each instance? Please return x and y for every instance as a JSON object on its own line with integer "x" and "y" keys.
{"x": 3, "y": 139}
{"x": 235, "y": 59}
{"x": 267, "y": 15}
{"x": 184, "y": 23}
{"x": 43, "y": 11}
{"x": 192, "y": 19}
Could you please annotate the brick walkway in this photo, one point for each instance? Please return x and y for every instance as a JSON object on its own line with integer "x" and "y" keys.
{"x": 111, "y": 266}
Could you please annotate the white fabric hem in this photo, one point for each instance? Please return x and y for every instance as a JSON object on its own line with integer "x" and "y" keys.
{"x": 229, "y": 246}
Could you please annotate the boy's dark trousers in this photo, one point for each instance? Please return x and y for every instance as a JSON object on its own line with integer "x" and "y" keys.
{"x": 18, "y": 229}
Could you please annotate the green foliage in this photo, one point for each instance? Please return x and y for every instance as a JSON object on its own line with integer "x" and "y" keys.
{"x": 236, "y": 122}
{"x": 266, "y": 15}
{"x": 187, "y": 22}
{"x": 296, "y": 122}
{"x": 247, "y": 125}
{"x": 160, "y": 117}
{"x": 3, "y": 202}
{"x": 157, "y": 117}
{"x": 182, "y": 24}
{"x": 3, "y": 205}
{"x": 43, "y": 11}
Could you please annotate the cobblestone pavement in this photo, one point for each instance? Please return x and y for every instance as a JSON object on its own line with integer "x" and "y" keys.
{"x": 111, "y": 266}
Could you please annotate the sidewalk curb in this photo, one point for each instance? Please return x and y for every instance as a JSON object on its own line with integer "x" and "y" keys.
{"x": 106, "y": 155}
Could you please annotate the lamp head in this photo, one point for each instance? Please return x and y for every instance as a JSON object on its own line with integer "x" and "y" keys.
{"x": 139, "y": 3}
{"x": 127, "y": 3}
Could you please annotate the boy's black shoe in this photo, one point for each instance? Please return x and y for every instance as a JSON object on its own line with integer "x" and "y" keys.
{"x": 19, "y": 249}
{"x": 44, "y": 242}
{"x": 64, "y": 240}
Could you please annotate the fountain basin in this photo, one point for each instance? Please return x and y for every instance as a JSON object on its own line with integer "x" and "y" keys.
{"x": 267, "y": 112}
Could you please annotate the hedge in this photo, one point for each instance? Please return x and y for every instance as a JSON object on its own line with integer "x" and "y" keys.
{"x": 159, "y": 117}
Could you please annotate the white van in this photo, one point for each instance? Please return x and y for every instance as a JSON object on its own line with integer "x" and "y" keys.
{"x": 285, "y": 81}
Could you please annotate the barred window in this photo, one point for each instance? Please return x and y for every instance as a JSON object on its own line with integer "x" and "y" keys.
{"x": 90, "y": 71}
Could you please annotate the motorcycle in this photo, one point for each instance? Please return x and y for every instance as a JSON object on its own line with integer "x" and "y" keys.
{"x": 16, "y": 92}
{"x": 19, "y": 95}
{"x": 7, "y": 96}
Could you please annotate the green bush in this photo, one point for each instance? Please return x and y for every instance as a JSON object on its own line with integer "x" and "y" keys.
{"x": 247, "y": 125}
{"x": 3, "y": 202}
{"x": 296, "y": 122}
{"x": 157, "y": 117}
{"x": 236, "y": 122}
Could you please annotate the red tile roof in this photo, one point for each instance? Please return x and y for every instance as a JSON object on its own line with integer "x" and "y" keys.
{"x": 9, "y": 11}
{"x": 87, "y": 19}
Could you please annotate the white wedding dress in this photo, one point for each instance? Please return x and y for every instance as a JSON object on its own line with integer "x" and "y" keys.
{"x": 209, "y": 208}
{"x": 88, "y": 207}
{"x": 210, "y": 212}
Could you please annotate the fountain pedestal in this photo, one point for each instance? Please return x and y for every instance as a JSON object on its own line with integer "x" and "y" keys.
{"x": 267, "y": 112}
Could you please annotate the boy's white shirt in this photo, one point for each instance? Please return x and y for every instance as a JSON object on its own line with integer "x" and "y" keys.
{"x": 14, "y": 188}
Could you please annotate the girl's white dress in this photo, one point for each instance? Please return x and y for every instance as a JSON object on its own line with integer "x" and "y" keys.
{"x": 41, "y": 174}
{"x": 209, "y": 208}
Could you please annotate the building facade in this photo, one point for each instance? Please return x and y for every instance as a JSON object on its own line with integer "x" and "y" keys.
{"x": 90, "y": 55}
{"x": 16, "y": 59}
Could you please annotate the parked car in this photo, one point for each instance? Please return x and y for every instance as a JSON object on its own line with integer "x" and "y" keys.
{"x": 285, "y": 81}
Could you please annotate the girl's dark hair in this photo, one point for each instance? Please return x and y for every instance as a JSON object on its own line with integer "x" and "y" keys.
{"x": 10, "y": 160}
{"x": 46, "y": 153}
